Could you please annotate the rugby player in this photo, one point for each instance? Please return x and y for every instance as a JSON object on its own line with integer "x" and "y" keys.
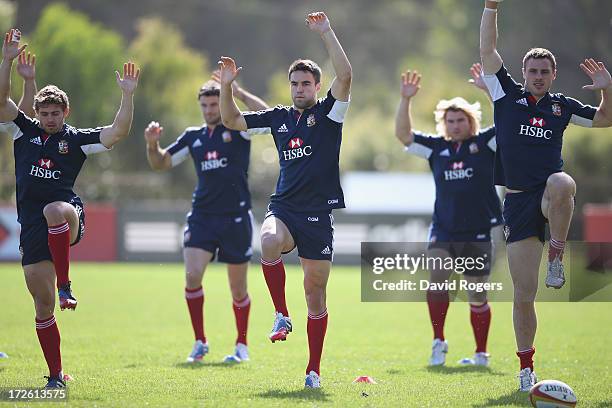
{"x": 529, "y": 122}
{"x": 307, "y": 135}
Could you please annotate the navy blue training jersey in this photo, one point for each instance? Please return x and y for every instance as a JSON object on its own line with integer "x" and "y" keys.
{"x": 221, "y": 160}
{"x": 308, "y": 151}
{"x": 465, "y": 195}
{"x": 530, "y": 132}
{"x": 46, "y": 166}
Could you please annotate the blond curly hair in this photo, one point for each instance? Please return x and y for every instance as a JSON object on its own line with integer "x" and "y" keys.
{"x": 458, "y": 104}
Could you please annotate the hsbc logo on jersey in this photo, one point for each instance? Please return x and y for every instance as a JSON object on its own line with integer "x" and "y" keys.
{"x": 458, "y": 172}
{"x": 536, "y": 129}
{"x": 296, "y": 149}
{"x": 213, "y": 161}
{"x": 46, "y": 163}
{"x": 295, "y": 142}
{"x": 42, "y": 169}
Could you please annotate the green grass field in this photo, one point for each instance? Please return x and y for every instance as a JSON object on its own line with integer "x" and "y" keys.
{"x": 126, "y": 344}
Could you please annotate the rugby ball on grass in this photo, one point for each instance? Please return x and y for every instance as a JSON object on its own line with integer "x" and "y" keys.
{"x": 552, "y": 394}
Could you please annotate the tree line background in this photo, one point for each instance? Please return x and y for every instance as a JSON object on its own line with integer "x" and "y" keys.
{"x": 79, "y": 45}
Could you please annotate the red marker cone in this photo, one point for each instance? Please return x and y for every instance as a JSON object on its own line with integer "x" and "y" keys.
{"x": 364, "y": 379}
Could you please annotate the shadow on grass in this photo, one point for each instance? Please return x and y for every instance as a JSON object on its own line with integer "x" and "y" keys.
{"x": 462, "y": 369}
{"x": 314, "y": 394}
{"x": 604, "y": 404}
{"x": 513, "y": 398}
{"x": 197, "y": 366}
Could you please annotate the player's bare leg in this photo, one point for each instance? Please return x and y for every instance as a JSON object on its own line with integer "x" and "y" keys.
{"x": 237, "y": 276}
{"x": 524, "y": 259}
{"x": 276, "y": 239}
{"x": 196, "y": 261}
{"x": 437, "y": 303}
{"x": 480, "y": 318}
{"x": 316, "y": 275}
{"x": 40, "y": 280}
{"x": 63, "y": 224}
{"x": 558, "y": 207}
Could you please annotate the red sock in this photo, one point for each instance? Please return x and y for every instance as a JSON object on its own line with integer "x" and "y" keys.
{"x": 526, "y": 357}
{"x": 274, "y": 273}
{"x": 555, "y": 248}
{"x": 59, "y": 245}
{"x": 241, "y": 312}
{"x": 316, "y": 328}
{"x": 438, "y": 306}
{"x": 49, "y": 339}
{"x": 195, "y": 303}
{"x": 480, "y": 316}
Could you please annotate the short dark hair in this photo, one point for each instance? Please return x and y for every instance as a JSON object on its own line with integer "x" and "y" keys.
{"x": 51, "y": 95}
{"x": 210, "y": 88}
{"x": 540, "y": 53}
{"x": 307, "y": 66}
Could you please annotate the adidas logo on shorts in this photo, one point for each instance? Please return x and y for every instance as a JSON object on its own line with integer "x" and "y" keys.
{"x": 283, "y": 129}
{"x": 326, "y": 251}
{"x": 506, "y": 231}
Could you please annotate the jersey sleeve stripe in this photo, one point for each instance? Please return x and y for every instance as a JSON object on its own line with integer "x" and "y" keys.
{"x": 419, "y": 150}
{"x": 581, "y": 121}
{"x": 12, "y": 129}
{"x": 256, "y": 131}
{"x": 492, "y": 144}
{"x": 94, "y": 148}
{"x": 179, "y": 156}
{"x": 494, "y": 86}
{"x": 338, "y": 111}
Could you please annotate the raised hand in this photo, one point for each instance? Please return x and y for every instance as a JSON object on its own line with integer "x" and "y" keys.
{"x": 216, "y": 76}
{"x": 410, "y": 84}
{"x": 26, "y": 66}
{"x": 598, "y": 73}
{"x": 477, "y": 79}
{"x": 228, "y": 71}
{"x": 10, "y": 47}
{"x": 153, "y": 132}
{"x": 129, "y": 82}
{"x": 318, "y": 22}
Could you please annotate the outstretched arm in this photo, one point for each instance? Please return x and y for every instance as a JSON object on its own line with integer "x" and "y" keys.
{"x": 230, "y": 114}
{"x": 120, "y": 128}
{"x": 410, "y": 85}
{"x": 26, "y": 68}
{"x": 10, "y": 51}
{"x": 491, "y": 60}
{"x": 477, "y": 79}
{"x": 341, "y": 85}
{"x": 601, "y": 81}
{"x": 252, "y": 102}
{"x": 159, "y": 159}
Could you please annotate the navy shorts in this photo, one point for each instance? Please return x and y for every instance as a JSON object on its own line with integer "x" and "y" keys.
{"x": 227, "y": 237}
{"x": 523, "y": 216}
{"x": 312, "y": 232}
{"x": 34, "y": 241}
{"x": 476, "y": 244}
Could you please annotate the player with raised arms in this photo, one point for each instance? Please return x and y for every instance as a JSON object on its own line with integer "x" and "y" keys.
{"x": 308, "y": 137}
{"x": 49, "y": 155}
{"x": 530, "y": 121}
{"x": 219, "y": 224}
{"x": 461, "y": 158}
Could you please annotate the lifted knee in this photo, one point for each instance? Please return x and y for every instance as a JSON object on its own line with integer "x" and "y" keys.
{"x": 561, "y": 185}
